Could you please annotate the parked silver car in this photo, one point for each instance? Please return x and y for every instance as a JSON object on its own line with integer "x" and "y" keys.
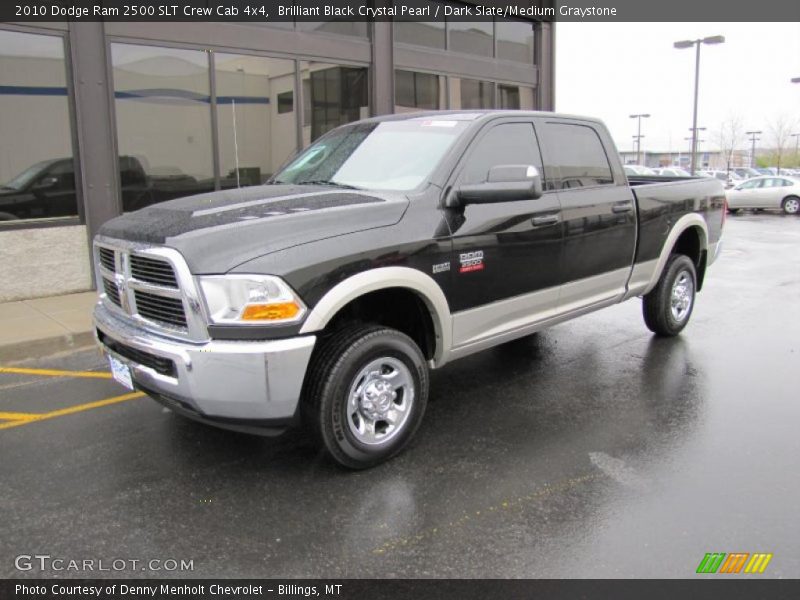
{"x": 634, "y": 170}
{"x": 766, "y": 192}
{"x": 673, "y": 172}
{"x": 747, "y": 172}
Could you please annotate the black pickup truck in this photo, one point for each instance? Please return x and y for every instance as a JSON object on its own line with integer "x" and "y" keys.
{"x": 389, "y": 247}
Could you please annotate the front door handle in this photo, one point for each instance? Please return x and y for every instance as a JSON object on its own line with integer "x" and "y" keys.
{"x": 544, "y": 220}
{"x": 622, "y": 208}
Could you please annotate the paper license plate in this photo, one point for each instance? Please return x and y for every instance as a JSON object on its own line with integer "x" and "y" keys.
{"x": 121, "y": 372}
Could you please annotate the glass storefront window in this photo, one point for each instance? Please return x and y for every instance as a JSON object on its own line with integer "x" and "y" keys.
{"x": 514, "y": 40}
{"x": 471, "y": 93}
{"x": 418, "y": 91}
{"x": 162, "y": 105}
{"x": 256, "y": 120}
{"x": 37, "y": 171}
{"x": 333, "y": 95}
{"x": 471, "y": 38}
{"x": 515, "y": 97}
{"x": 431, "y": 35}
{"x": 351, "y": 28}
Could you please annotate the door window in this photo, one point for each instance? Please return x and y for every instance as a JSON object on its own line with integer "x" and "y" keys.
{"x": 506, "y": 144}
{"x": 577, "y": 158}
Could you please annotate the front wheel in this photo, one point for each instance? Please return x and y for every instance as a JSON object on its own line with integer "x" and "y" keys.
{"x": 791, "y": 205}
{"x": 668, "y": 306}
{"x": 365, "y": 395}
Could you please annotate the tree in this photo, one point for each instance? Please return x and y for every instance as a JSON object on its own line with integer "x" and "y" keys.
{"x": 729, "y": 137}
{"x": 780, "y": 130}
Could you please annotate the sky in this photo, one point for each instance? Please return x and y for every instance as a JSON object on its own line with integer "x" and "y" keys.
{"x": 613, "y": 70}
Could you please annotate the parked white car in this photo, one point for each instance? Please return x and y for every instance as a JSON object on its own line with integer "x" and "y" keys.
{"x": 728, "y": 179}
{"x": 766, "y": 192}
{"x": 673, "y": 172}
{"x": 633, "y": 170}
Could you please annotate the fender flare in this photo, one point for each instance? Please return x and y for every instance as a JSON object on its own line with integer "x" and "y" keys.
{"x": 681, "y": 225}
{"x": 383, "y": 278}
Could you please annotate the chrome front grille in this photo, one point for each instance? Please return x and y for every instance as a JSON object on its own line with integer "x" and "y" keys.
{"x": 153, "y": 271}
{"x": 160, "y": 309}
{"x": 106, "y": 257}
{"x": 112, "y": 293}
{"x": 150, "y": 285}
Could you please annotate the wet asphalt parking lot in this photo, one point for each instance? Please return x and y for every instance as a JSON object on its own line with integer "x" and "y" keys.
{"x": 592, "y": 449}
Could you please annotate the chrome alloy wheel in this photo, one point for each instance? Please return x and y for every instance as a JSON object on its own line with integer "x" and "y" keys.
{"x": 682, "y": 295}
{"x": 380, "y": 401}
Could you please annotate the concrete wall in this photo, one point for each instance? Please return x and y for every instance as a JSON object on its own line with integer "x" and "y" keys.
{"x": 43, "y": 262}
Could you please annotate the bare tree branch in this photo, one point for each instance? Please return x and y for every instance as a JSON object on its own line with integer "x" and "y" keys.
{"x": 730, "y": 137}
{"x": 780, "y": 130}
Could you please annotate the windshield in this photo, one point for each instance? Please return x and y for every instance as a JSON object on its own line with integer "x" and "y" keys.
{"x": 22, "y": 180}
{"x": 390, "y": 155}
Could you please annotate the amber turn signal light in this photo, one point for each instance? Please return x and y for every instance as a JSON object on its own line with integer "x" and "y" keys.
{"x": 279, "y": 311}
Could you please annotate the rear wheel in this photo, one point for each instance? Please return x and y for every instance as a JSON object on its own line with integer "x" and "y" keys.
{"x": 791, "y": 205}
{"x": 365, "y": 394}
{"x": 668, "y": 306}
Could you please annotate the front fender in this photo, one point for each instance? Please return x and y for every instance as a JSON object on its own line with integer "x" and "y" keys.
{"x": 382, "y": 278}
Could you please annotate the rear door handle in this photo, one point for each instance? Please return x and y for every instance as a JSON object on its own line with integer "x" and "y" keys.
{"x": 544, "y": 220}
{"x": 622, "y": 208}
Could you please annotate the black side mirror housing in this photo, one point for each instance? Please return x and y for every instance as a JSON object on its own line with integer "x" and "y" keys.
{"x": 46, "y": 183}
{"x": 504, "y": 183}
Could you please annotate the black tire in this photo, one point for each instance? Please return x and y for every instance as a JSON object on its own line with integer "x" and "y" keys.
{"x": 336, "y": 364}
{"x": 791, "y": 205}
{"x": 657, "y": 305}
{"x": 733, "y": 211}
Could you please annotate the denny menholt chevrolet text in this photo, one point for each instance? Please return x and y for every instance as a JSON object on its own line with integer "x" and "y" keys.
{"x": 390, "y": 247}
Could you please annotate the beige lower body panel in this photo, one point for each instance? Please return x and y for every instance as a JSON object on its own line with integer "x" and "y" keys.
{"x": 485, "y": 326}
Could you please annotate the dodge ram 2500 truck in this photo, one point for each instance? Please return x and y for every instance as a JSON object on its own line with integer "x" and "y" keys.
{"x": 389, "y": 247}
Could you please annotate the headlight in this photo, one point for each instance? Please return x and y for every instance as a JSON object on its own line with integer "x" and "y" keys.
{"x": 250, "y": 300}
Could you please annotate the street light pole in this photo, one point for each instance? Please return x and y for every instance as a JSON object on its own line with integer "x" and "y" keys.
{"x": 716, "y": 39}
{"x": 694, "y": 112}
{"x": 796, "y": 137}
{"x": 753, "y": 141}
{"x": 639, "y": 135}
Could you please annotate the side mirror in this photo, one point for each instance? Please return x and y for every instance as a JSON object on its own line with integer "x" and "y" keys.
{"x": 504, "y": 183}
{"x": 46, "y": 182}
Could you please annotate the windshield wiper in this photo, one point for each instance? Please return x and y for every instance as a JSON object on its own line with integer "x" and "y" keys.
{"x": 327, "y": 182}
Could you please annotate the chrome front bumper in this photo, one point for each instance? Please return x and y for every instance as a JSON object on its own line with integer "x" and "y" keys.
{"x": 245, "y": 380}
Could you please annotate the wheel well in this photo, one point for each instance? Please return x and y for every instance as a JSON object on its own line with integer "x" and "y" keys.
{"x": 398, "y": 308}
{"x": 689, "y": 244}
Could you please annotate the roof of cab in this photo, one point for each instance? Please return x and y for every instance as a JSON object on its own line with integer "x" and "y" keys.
{"x": 475, "y": 115}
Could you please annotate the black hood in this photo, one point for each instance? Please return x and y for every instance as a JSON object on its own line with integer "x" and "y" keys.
{"x": 217, "y": 231}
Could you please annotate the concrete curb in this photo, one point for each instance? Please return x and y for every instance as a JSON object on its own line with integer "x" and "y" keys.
{"x": 43, "y": 347}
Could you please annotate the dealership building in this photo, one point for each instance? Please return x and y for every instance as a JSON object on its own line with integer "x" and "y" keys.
{"x": 100, "y": 118}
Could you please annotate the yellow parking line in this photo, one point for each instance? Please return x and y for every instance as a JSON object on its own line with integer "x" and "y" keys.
{"x": 55, "y": 373}
{"x": 15, "y": 416}
{"x": 33, "y": 418}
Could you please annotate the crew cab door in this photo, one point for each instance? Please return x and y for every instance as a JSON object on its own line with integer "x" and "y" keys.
{"x": 501, "y": 250}
{"x": 598, "y": 210}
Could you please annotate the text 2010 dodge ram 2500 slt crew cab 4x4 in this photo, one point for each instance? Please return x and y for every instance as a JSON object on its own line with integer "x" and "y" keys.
{"x": 389, "y": 247}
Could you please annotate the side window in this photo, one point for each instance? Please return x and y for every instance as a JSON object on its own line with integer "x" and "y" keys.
{"x": 506, "y": 144}
{"x": 64, "y": 174}
{"x": 576, "y": 157}
{"x": 750, "y": 185}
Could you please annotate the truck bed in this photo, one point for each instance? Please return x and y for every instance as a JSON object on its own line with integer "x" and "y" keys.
{"x": 661, "y": 201}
